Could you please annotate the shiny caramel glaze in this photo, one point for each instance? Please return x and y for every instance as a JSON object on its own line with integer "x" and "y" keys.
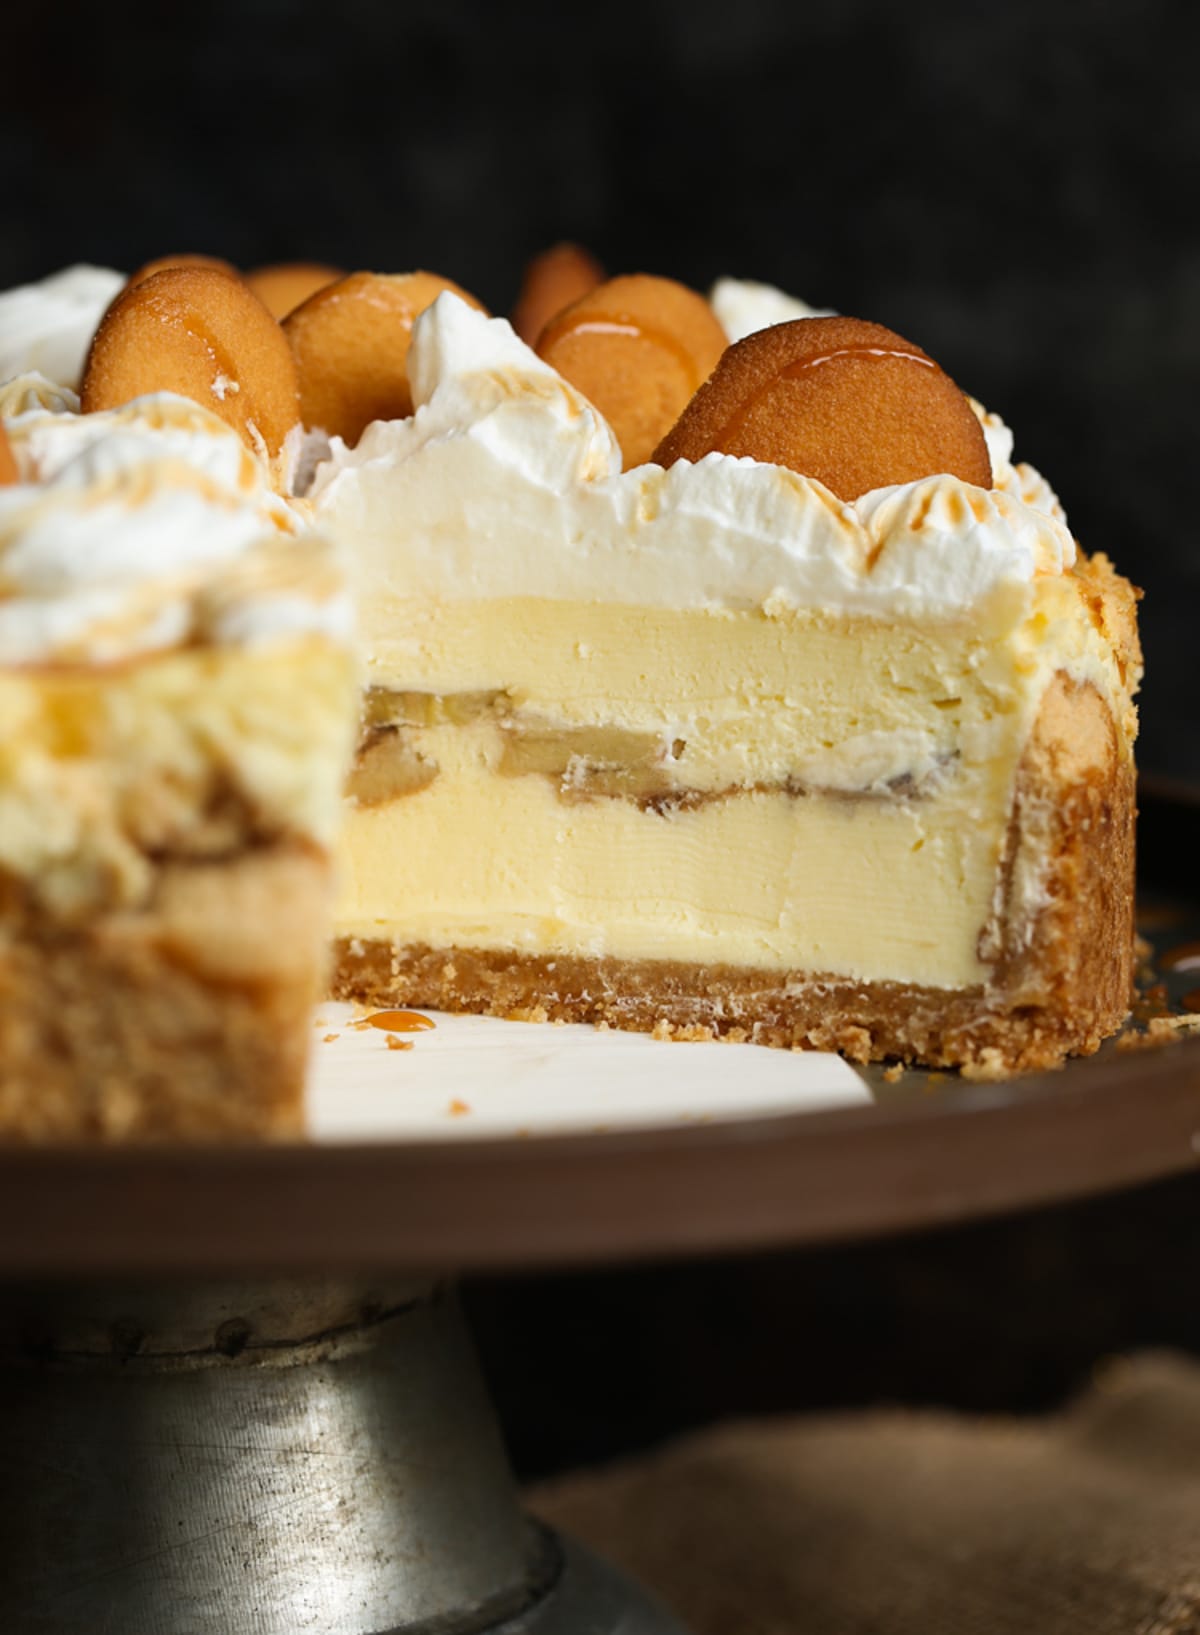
{"x": 399, "y": 1021}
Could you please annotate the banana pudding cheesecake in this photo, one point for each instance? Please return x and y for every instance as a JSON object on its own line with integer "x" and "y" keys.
{"x": 178, "y": 688}
{"x": 812, "y": 728}
{"x": 722, "y": 676}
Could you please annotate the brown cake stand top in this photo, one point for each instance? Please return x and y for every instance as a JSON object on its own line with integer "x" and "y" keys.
{"x": 927, "y": 1151}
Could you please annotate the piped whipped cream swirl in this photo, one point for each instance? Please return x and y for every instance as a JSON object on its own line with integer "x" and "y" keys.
{"x": 506, "y": 482}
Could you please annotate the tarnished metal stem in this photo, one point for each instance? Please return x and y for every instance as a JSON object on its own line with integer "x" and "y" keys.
{"x": 268, "y": 1460}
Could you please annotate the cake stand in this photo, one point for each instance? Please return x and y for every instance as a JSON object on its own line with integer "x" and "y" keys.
{"x": 235, "y": 1391}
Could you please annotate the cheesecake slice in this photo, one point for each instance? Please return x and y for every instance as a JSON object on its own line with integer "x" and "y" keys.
{"x": 709, "y": 751}
{"x": 177, "y": 686}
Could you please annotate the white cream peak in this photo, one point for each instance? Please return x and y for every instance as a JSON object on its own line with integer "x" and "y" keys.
{"x": 743, "y": 307}
{"x": 125, "y": 522}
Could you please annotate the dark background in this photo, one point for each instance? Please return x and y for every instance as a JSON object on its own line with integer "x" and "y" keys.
{"x": 1011, "y": 185}
{"x": 1008, "y": 1316}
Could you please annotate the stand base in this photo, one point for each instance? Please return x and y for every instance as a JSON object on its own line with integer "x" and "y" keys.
{"x": 270, "y": 1460}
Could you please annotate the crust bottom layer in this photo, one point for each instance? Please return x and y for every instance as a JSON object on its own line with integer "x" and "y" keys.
{"x": 865, "y": 1021}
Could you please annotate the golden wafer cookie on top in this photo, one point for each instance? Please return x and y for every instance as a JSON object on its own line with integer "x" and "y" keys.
{"x": 557, "y": 278}
{"x": 196, "y": 331}
{"x": 845, "y": 401}
{"x": 350, "y": 342}
{"x": 283, "y": 286}
{"x": 637, "y": 348}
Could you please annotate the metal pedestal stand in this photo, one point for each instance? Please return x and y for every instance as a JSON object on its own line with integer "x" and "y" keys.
{"x": 270, "y": 1459}
{"x": 308, "y": 1458}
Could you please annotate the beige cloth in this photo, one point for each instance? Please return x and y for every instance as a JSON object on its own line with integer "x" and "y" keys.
{"x": 898, "y": 1523}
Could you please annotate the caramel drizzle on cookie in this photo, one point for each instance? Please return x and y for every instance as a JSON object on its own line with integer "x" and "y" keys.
{"x": 198, "y": 332}
{"x": 656, "y": 336}
{"x": 795, "y": 370}
{"x": 846, "y": 402}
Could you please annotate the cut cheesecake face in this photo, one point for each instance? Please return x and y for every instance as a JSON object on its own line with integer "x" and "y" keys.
{"x": 814, "y": 730}
{"x": 177, "y": 686}
{"x": 711, "y": 750}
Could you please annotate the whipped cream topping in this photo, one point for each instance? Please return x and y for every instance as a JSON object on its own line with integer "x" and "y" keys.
{"x": 145, "y": 527}
{"x": 83, "y": 449}
{"x": 744, "y": 307}
{"x": 32, "y": 390}
{"x": 48, "y": 326}
{"x": 506, "y": 482}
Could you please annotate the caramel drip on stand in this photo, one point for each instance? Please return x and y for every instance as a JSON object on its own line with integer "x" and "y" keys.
{"x": 399, "y": 1021}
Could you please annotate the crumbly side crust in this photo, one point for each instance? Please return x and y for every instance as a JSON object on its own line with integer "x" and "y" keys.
{"x": 1112, "y": 606}
{"x": 1062, "y": 976}
{"x": 1075, "y": 807}
{"x": 186, "y": 1019}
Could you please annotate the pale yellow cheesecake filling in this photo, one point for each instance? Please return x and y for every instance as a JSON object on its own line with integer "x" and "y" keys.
{"x": 769, "y": 880}
{"x": 780, "y": 789}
